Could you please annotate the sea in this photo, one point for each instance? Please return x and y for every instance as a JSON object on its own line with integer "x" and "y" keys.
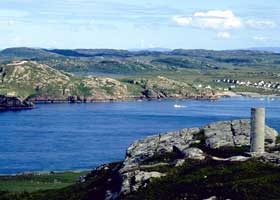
{"x": 60, "y": 137}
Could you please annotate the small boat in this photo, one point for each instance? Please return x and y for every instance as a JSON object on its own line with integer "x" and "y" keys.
{"x": 179, "y": 106}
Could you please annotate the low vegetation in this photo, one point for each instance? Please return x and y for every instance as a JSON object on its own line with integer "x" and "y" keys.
{"x": 93, "y": 186}
{"x": 34, "y": 182}
{"x": 192, "y": 180}
{"x": 247, "y": 180}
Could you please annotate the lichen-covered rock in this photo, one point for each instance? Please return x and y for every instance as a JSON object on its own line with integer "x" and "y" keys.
{"x": 194, "y": 153}
{"x": 238, "y": 158}
{"x": 233, "y": 134}
{"x": 141, "y": 150}
{"x": 132, "y": 181}
{"x": 162, "y": 143}
{"x": 270, "y": 136}
{"x": 273, "y": 157}
{"x": 179, "y": 162}
{"x": 211, "y": 198}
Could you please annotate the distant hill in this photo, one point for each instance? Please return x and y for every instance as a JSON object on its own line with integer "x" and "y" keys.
{"x": 159, "y": 49}
{"x": 32, "y": 79}
{"x": 25, "y": 53}
{"x": 141, "y": 61}
{"x": 268, "y": 49}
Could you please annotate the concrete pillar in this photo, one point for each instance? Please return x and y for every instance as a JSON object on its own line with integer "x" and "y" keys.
{"x": 257, "y": 130}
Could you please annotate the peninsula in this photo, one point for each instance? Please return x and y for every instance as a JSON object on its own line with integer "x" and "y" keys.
{"x": 88, "y": 75}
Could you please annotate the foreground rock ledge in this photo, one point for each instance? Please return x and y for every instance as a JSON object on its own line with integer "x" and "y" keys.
{"x": 172, "y": 149}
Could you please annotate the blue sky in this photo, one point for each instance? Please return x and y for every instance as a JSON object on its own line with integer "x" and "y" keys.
{"x": 123, "y": 24}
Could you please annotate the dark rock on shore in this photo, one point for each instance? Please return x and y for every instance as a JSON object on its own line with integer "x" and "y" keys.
{"x": 14, "y": 103}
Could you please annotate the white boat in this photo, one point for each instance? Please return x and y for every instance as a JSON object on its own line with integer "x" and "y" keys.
{"x": 179, "y": 106}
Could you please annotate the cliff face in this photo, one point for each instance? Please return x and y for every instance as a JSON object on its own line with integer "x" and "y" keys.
{"x": 14, "y": 103}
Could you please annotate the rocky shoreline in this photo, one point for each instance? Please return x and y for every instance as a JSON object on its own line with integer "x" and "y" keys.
{"x": 14, "y": 103}
{"x": 214, "y": 97}
{"x": 72, "y": 99}
{"x": 76, "y": 99}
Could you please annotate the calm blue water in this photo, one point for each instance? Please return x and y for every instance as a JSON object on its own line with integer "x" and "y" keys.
{"x": 82, "y": 136}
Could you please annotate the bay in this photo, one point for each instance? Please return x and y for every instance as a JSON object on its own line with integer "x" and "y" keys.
{"x": 58, "y": 137}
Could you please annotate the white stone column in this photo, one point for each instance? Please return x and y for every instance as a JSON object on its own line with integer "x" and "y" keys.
{"x": 257, "y": 130}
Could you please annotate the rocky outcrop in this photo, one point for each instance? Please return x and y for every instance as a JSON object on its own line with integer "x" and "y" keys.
{"x": 233, "y": 133}
{"x": 158, "y": 144}
{"x": 14, "y": 103}
{"x": 133, "y": 180}
{"x": 194, "y": 153}
{"x": 272, "y": 157}
{"x": 190, "y": 143}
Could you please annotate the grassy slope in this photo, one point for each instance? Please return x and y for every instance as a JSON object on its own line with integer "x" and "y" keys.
{"x": 30, "y": 183}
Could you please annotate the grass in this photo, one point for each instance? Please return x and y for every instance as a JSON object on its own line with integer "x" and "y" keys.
{"x": 277, "y": 140}
{"x": 30, "y": 183}
{"x": 94, "y": 187}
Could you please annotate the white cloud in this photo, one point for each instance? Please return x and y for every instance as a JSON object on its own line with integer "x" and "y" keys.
{"x": 7, "y": 22}
{"x": 11, "y": 22}
{"x": 215, "y": 13}
{"x": 213, "y": 19}
{"x": 260, "y": 38}
{"x": 182, "y": 21}
{"x": 224, "y": 35}
{"x": 221, "y": 20}
{"x": 260, "y": 24}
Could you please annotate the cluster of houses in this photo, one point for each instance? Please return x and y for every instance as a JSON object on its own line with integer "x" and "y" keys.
{"x": 260, "y": 84}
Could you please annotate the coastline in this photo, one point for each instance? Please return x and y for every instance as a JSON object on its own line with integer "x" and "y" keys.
{"x": 76, "y": 99}
{"x": 246, "y": 94}
{"x": 126, "y": 99}
{"x": 217, "y": 96}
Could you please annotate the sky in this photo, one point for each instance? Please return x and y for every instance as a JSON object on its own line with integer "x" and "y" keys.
{"x": 130, "y": 24}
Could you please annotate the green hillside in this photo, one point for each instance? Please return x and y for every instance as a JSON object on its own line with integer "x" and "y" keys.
{"x": 30, "y": 79}
{"x": 123, "y": 61}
